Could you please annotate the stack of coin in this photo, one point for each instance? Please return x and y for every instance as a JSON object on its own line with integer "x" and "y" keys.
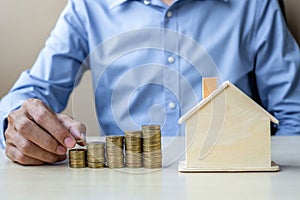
{"x": 114, "y": 151}
{"x": 152, "y": 146}
{"x": 96, "y": 154}
{"x": 77, "y": 158}
{"x": 133, "y": 147}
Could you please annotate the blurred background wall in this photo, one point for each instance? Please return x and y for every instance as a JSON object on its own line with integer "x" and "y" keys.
{"x": 25, "y": 26}
{"x": 292, "y": 8}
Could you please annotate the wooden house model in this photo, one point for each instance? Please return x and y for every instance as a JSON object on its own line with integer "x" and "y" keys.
{"x": 227, "y": 131}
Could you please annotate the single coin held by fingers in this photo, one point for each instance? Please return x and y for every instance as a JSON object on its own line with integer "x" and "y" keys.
{"x": 80, "y": 140}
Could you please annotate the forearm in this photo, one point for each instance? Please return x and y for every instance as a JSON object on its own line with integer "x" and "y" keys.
{"x": 54, "y": 74}
{"x": 277, "y": 69}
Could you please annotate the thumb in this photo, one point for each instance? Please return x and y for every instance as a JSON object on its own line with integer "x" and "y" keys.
{"x": 76, "y": 128}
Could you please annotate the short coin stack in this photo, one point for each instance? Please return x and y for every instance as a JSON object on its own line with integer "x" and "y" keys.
{"x": 77, "y": 158}
{"x": 152, "y": 146}
{"x": 114, "y": 151}
{"x": 133, "y": 147}
{"x": 96, "y": 154}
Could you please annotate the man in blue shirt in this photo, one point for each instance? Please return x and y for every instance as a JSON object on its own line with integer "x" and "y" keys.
{"x": 147, "y": 60}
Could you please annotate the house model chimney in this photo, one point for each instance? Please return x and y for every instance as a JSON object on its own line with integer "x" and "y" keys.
{"x": 208, "y": 86}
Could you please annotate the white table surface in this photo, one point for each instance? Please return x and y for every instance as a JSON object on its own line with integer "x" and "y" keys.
{"x": 62, "y": 182}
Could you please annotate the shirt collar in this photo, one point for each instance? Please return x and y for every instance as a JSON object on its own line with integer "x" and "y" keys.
{"x": 114, "y": 3}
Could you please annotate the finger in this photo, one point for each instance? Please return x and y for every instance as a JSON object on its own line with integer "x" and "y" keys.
{"x": 28, "y": 129}
{"x": 76, "y": 128}
{"x": 31, "y": 150}
{"x": 15, "y": 155}
{"x": 45, "y": 118}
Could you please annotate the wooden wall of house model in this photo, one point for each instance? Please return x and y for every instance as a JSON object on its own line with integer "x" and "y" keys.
{"x": 227, "y": 131}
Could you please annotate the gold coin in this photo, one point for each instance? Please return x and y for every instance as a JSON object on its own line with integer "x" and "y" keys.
{"x": 77, "y": 158}
{"x": 133, "y": 149}
{"x": 152, "y": 157}
{"x": 114, "y": 151}
{"x": 96, "y": 165}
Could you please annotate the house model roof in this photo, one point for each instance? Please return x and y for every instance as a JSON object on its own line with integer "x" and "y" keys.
{"x": 223, "y": 87}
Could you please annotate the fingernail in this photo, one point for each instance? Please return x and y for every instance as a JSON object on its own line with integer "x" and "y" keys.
{"x": 61, "y": 150}
{"x": 82, "y": 136}
{"x": 69, "y": 142}
{"x": 75, "y": 132}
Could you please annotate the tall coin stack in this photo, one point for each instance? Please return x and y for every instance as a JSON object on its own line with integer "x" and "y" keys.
{"x": 133, "y": 149}
{"x": 152, "y": 146}
{"x": 77, "y": 158}
{"x": 114, "y": 151}
{"x": 96, "y": 154}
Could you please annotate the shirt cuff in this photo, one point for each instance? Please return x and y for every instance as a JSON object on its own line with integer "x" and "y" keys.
{"x": 3, "y": 126}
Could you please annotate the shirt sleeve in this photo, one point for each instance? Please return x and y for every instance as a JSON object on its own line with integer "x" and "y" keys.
{"x": 56, "y": 70}
{"x": 277, "y": 67}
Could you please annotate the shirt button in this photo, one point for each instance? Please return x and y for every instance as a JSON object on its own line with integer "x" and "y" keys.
{"x": 171, "y": 59}
{"x": 172, "y": 105}
{"x": 146, "y": 2}
{"x": 169, "y": 14}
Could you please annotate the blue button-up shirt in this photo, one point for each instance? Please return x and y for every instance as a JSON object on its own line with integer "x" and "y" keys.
{"x": 147, "y": 60}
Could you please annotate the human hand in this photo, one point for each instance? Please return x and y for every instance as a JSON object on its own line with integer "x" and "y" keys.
{"x": 35, "y": 135}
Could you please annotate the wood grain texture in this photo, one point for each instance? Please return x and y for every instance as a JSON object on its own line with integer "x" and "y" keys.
{"x": 209, "y": 85}
{"x": 183, "y": 168}
{"x": 228, "y": 131}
